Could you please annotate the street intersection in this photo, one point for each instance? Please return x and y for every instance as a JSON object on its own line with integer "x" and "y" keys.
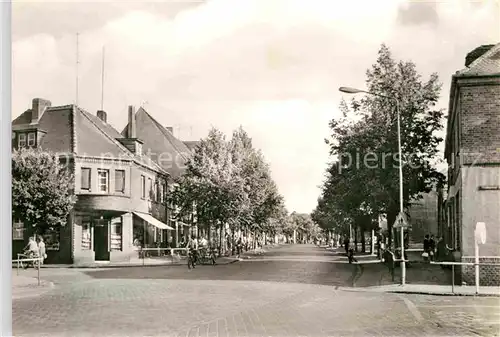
{"x": 295, "y": 290}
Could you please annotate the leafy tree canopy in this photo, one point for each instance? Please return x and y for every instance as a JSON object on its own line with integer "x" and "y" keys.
{"x": 42, "y": 188}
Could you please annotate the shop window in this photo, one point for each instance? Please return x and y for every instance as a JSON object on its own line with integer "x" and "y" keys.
{"x": 17, "y": 230}
{"x": 103, "y": 180}
{"x": 85, "y": 182}
{"x": 86, "y": 237}
{"x": 119, "y": 181}
{"x": 21, "y": 140}
{"x": 116, "y": 237}
{"x": 52, "y": 238}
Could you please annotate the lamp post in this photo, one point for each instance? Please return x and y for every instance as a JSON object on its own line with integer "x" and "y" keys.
{"x": 348, "y": 90}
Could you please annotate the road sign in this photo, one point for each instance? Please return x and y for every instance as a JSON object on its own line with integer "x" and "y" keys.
{"x": 401, "y": 221}
{"x": 480, "y": 233}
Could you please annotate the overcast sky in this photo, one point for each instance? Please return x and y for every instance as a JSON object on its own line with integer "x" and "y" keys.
{"x": 273, "y": 66}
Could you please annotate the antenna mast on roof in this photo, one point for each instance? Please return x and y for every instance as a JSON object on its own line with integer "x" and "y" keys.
{"x": 102, "y": 80}
{"x": 77, "y": 63}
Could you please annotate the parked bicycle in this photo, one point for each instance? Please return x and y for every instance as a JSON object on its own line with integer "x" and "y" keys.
{"x": 207, "y": 256}
{"x": 192, "y": 258}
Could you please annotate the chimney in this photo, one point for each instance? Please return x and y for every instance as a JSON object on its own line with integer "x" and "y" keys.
{"x": 102, "y": 116}
{"x": 38, "y": 107}
{"x": 477, "y": 53}
{"x": 131, "y": 131}
{"x": 171, "y": 129}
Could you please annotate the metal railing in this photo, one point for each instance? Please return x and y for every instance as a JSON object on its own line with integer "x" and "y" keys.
{"x": 158, "y": 254}
{"x": 453, "y": 264}
{"x": 25, "y": 258}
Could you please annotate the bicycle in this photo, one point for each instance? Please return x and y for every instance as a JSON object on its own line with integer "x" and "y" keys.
{"x": 191, "y": 260}
{"x": 207, "y": 256}
{"x": 29, "y": 255}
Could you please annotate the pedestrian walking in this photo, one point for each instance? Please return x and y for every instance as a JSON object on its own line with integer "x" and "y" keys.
{"x": 427, "y": 248}
{"x": 350, "y": 255}
{"x": 346, "y": 245}
{"x": 41, "y": 249}
{"x": 432, "y": 247}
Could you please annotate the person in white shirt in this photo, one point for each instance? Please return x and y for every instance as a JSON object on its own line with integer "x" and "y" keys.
{"x": 42, "y": 250}
{"x": 204, "y": 242}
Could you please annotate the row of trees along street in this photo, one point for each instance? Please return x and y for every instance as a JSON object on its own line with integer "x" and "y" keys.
{"x": 228, "y": 186}
{"x": 356, "y": 191}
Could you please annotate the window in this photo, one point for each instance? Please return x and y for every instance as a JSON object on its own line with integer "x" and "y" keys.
{"x": 103, "y": 180}
{"x": 164, "y": 192}
{"x": 52, "y": 237}
{"x": 155, "y": 192}
{"x": 86, "y": 236}
{"x": 143, "y": 187}
{"x": 17, "y": 230}
{"x": 21, "y": 140}
{"x": 150, "y": 187}
{"x": 31, "y": 139}
{"x": 119, "y": 181}
{"x": 116, "y": 236}
{"x": 85, "y": 183}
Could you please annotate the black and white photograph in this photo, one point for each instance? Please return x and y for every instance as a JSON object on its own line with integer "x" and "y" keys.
{"x": 250, "y": 168}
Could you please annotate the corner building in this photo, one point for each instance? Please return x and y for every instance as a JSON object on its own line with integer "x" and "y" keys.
{"x": 473, "y": 156}
{"x": 120, "y": 191}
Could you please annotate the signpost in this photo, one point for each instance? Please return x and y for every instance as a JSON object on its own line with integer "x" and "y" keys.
{"x": 402, "y": 223}
{"x": 479, "y": 238}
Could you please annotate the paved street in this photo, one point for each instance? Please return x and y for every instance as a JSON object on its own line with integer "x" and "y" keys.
{"x": 289, "y": 291}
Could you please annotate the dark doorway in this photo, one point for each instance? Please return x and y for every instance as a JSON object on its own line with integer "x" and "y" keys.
{"x": 101, "y": 240}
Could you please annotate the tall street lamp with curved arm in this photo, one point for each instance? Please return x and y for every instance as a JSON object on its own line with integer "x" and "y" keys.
{"x": 349, "y": 90}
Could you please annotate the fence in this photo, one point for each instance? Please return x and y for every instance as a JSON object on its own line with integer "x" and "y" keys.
{"x": 25, "y": 258}
{"x": 158, "y": 256}
{"x": 453, "y": 264}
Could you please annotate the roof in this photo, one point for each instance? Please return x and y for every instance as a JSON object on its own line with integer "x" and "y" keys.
{"x": 161, "y": 145}
{"x": 487, "y": 64}
{"x": 89, "y": 145}
{"x": 93, "y": 137}
{"x": 192, "y": 144}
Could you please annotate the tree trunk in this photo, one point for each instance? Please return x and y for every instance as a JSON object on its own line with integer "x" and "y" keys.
{"x": 363, "y": 241}
{"x": 356, "y": 239}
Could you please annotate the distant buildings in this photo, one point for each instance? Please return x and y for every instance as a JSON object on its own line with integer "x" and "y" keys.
{"x": 121, "y": 189}
{"x": 423, "y": 217}
{"x": 473, "y": 156}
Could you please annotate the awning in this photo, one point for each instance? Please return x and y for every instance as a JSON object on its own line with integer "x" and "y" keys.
{"x": 150, "y": 219}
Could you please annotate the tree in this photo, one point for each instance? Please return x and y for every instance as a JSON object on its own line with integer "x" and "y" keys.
{"x": 375, "y": 189}
{"x": 229, "y": 182}
{"x": 42, "y": 188}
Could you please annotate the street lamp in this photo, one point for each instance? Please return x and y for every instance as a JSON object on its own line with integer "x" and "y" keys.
{"x": 349, "y": 90}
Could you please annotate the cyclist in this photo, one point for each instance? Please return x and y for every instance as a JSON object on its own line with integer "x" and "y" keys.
{"x": 192, "y": 246}
{"x": 31, "y": 251}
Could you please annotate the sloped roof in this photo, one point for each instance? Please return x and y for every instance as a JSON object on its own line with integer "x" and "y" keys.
{"x": 191, "y": 144}
{"x": 105, "y": 140}
{"x": 160, "y": 144}
{"x": 486, "y": 64}
{"x": 94, "y": 137}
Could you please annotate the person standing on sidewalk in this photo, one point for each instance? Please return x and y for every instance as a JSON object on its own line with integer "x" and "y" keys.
{"x": 427, "y": 248}
{"x": 432, "y": 248}
{"x": 41, "y": 248}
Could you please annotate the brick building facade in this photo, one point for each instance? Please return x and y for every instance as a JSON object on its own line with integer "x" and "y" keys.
{"x": 473, "y": 156}
{"x": 120, "y": 190}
